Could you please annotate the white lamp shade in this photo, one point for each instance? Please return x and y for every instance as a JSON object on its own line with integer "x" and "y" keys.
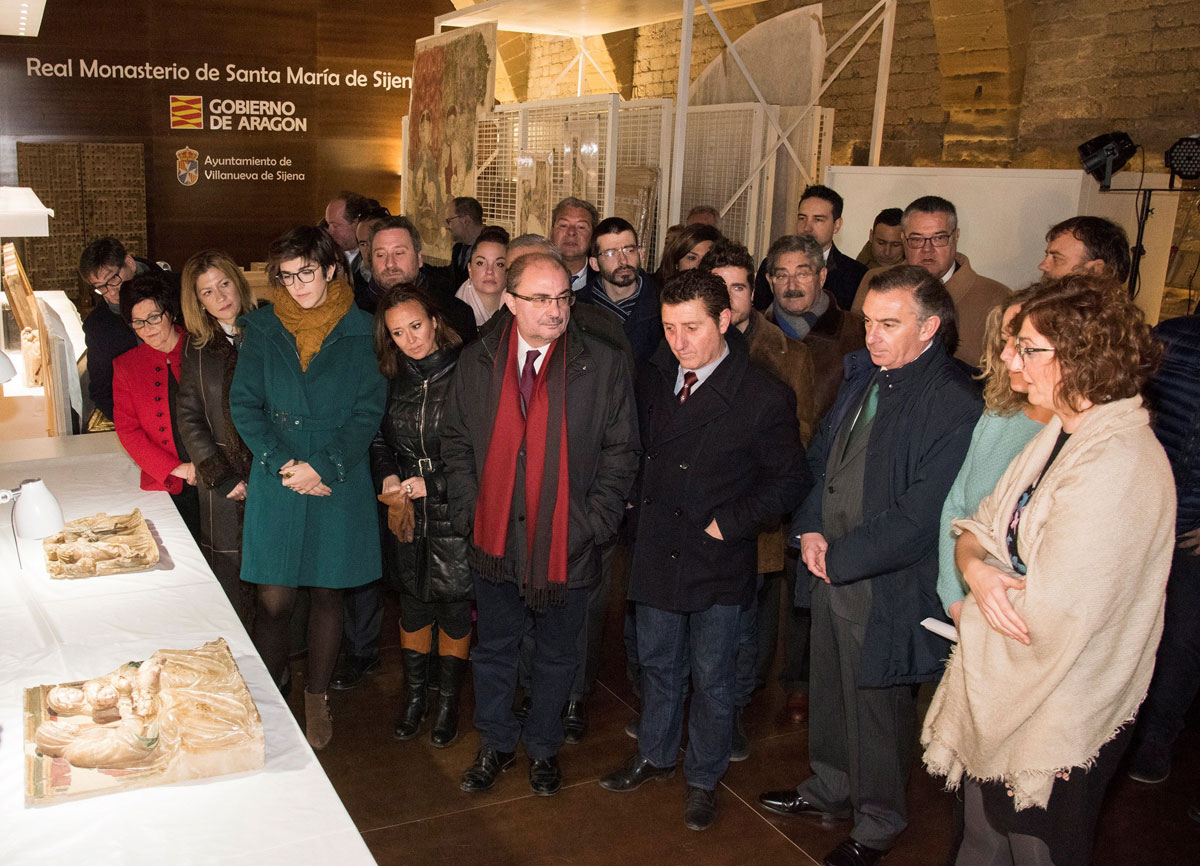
{"x": 36, "y": 511}
{"x": 7, "y": 370}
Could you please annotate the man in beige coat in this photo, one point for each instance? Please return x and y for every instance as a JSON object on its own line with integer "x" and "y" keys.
{"x": 930, "y": 231}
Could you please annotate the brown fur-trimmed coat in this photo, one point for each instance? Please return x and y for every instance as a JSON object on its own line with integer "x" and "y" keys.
{"x": 220, "y": 456}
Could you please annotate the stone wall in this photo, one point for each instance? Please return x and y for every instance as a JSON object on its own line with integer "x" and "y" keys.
{"x": 991, "y": 83}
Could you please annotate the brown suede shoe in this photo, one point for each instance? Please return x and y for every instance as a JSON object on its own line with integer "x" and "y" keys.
{"x": 318, "y": 724}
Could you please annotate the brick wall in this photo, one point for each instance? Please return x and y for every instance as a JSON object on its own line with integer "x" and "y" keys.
{"x": 1102, "y": 65}
{"x": 1051, "y": 74}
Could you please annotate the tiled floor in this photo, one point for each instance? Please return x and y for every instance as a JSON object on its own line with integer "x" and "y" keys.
{"x": 404, "y": 797}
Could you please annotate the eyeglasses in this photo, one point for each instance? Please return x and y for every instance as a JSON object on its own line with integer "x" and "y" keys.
{"x": 152, "y": 319}
{"x": 544, "y": 301}
{"x": 624, "y": 252}
{"x": 1023, "y": 352}
{"x": 448, "y": 220}
{"x": 915, "y": 242}
{"x": 802, "y": 275}
{"x": 304, "y": 275}
{"x": 111, "y": 283}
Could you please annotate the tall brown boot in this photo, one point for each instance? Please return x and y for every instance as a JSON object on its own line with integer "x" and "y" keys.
{"x": 318, "y": 723}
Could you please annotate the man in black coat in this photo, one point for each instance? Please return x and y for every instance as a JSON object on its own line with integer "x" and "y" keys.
{"x": 819, "y": 215}
{"x": 722, "y": 462}
{"x": 106, "y": 266}
{"x": 463, "y": 216}
{"x": 535, "y": 386}
{"x": 883, "y": 461}
{"x": 618, "y": 284}
{"x": 396, "y": 259}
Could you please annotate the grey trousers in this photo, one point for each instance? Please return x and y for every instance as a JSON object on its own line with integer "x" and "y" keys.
{"x": 983, "y": 845}
{"x": 860, "y": 739}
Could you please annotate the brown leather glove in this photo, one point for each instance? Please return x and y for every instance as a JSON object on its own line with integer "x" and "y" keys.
{"x": 401, "y": 518}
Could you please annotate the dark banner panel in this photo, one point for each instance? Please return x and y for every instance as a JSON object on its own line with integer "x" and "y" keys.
{"x": 251, "y": 114}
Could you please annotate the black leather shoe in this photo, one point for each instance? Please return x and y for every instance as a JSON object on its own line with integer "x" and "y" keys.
{"x": 545, "y": 777}
{"x": 852, "y": 853}
{"x": 489, "y": 764}
{"x": 575, "y": 721}
{"x": 634, "y": 773}
{"x": 631, "y": 727}
{"x": 741, "y": 746}
{"x": 521, "y": 710}
{"x": 353, "y": 672}
{"x": 789, "y": 802}
{"x": 700, "y": 808}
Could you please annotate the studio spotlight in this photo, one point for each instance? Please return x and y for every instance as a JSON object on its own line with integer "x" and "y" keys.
{"x": 1183, "y": 158}
{"x": 1106, "y": 154}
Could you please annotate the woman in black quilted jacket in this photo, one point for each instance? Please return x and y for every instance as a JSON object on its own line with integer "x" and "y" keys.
{"x": 417, "y": 352}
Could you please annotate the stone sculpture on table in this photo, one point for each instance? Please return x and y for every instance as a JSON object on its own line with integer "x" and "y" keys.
{"x": 178, "y": 715}
{"x": 101, "y": 544}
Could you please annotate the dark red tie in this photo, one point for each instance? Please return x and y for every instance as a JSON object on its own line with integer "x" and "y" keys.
{"x": 689, "y": 379}
{"x": 528, "y": 374}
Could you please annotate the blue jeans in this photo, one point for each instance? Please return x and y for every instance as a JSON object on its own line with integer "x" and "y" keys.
{"x": 665, "y": 642}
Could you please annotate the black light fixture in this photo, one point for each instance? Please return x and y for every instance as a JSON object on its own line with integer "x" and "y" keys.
{"x": 1183, "y": 158}
{"x": 1105, "y": 154}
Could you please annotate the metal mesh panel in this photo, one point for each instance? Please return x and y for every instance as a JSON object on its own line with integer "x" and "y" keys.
{"x": 531, "y": 155}
{"x": 575, "y": 139}
{"x": 643, "y": 140}
{"x": 724, "y": 145}
{"x": 496, "y": 140}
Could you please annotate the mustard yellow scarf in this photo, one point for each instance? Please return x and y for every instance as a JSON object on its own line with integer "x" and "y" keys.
{"x": 311, "y": 327}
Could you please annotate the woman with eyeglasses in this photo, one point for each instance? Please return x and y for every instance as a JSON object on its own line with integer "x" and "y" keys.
{"x": 215, "y": 295}
{"x": 685, "y": 250}
{"x": 306, "y": 399}
{"x": 1067, "y": 576}
{"x": 146, "y": 396}
{"x": 1008, "y": 422}
{"x": 418, "y": 352}
{"x": 483, "y": 290}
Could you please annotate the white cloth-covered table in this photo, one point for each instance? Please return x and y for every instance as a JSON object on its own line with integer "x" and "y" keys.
{"x": 59, "y": 631}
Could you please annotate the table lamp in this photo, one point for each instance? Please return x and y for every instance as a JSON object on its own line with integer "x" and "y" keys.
{"x": 36, "y": 512}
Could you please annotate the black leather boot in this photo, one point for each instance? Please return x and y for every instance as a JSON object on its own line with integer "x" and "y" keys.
{"x": 445, "y": 719}
{"x": 416, "y": 704}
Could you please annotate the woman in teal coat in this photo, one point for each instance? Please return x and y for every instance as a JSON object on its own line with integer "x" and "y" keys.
{"x": 307, "y": 399}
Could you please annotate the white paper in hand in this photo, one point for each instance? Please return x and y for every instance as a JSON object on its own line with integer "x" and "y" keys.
{"x": 944, "y": 629}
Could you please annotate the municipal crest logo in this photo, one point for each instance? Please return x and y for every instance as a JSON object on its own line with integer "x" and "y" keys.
{"x": 187, "y": 112}
{"x": 187, "y": 166}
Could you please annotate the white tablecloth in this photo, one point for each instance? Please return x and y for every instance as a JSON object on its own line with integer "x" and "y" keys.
{"x": 58, "y": 631}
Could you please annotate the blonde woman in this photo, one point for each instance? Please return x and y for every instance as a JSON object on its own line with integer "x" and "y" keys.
{"x": 214, "y": 295}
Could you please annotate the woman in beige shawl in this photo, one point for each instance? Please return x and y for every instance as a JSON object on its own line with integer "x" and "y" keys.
{"x": 1067, "y": 561}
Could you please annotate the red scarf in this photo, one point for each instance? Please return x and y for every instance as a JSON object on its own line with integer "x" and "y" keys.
{"x": 547, "y": 495}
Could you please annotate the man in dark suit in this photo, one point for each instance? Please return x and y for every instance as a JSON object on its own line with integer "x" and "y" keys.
{"x": 722, "y": 462}
{"x": 883, "y": 460}
{"x": 105, "y": 265}
{"x": 819, "y": 216}
{"x": 464, "y": 220}
{"x": 396, "y": 259}
{"x": 342, "y": 216}
{"x": 618, "y": 284}
{"x": 538, "y": 497}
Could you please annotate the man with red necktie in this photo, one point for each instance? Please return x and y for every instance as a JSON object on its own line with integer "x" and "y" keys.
{"x": 540, "y": 443}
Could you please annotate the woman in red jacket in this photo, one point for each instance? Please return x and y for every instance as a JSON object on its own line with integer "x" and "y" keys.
{"x": 145, "y": 391}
